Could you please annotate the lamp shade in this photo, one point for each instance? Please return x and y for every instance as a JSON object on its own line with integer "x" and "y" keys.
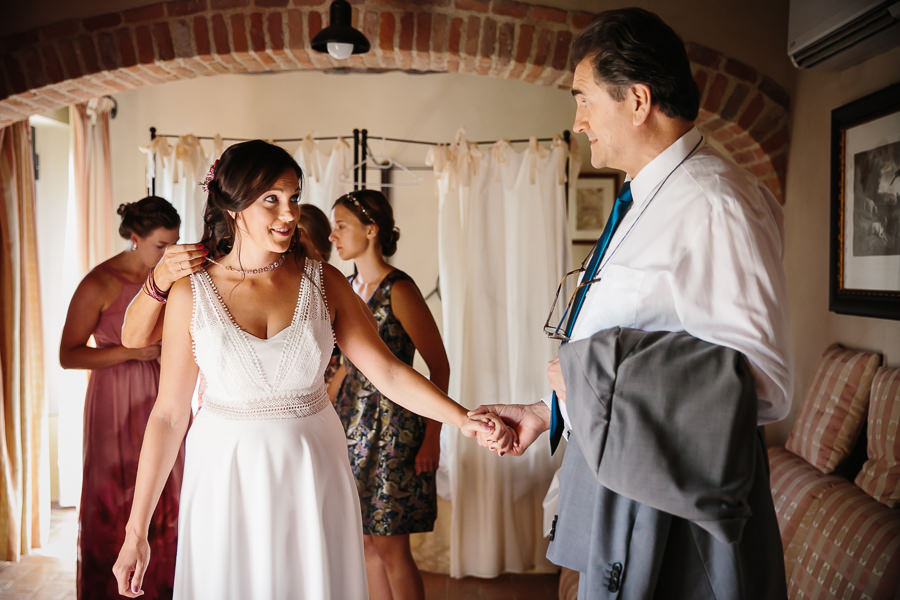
{"x": 339, "y": 36}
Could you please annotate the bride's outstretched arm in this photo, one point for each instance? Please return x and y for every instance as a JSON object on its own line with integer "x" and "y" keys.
{"x": 165, "y": 431}
{"x": 359, "y": 341}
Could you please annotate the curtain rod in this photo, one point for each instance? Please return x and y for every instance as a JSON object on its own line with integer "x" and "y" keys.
{"x": 480, "y": 142}
{"x": 154, "y": 135}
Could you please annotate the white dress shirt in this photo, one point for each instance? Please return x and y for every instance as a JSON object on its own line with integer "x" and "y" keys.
{"x": 700, "y": 251}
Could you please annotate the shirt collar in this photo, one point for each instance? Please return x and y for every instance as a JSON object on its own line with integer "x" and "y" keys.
{"x": 652, "y": 175}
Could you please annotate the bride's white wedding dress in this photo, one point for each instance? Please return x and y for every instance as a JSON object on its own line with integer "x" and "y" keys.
{"x": 269, "y": 507}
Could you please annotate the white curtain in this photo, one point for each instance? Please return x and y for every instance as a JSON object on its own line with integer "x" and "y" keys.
{"x": 92, "y": 175}
{"x": 323, "y": 164}
{"x": 179, "y": 168}
{"x": 502, "y": 250}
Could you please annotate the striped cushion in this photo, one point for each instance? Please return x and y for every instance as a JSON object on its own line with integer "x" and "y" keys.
{"x": 796, "y": 486}
{"x": 849, "y": 548}
{"x": 832, "y": 413}
{"x": 880, "y": 475}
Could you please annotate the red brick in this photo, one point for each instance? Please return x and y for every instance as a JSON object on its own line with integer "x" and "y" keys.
{"x": 226, "y": 4}
{"x": 14, "y": 74}
{"x": 34, "y": 71}
{"x": 740, "y": 70}
{"x": 751, "y": 112}
{"x": 703, "y": 55}
{"x": 201, "y": 35}
{"x": 296, "y": 36}
{"x": 144, "y": 13}
{"x": 510, "y": 8}
{"x": 723, "y": 135}
{"x": 767, "y": 124}
{"x": 257, "y": 33}
{"x": 69, "y": 56}
{"x": 423, "y": 32}
{"x": 488, "y": 37}
{"x": 440, "y": 32}
{"x": 516, "y": 72}
{"x": 144, "y": 44}
{"x": 561, "y": 54}
{"x": 324, "y": 4}
{"x": 163, "y": 39}
{"x": 271, "y": 3}
{"x": 779, "y": 162}
{"x": 542, "y": 50}
{"x": 543, "y": 14}
{"x": 700, "y": 78}
{"x": 455, "y": 37}
{"x": 220, "y": 35}
{"x": 472, "y": 5}
{"x": 407, "y": 30}
{"x": 580, "y": 20}
{"x": 386, "y": 31}
{"x": 62, "y": 29}
{"x": 183, "y": 8}
{"x": 743, "y": 141}
{"x": 761, "y": 169}
{"x": 106, "y": 47}
{"x": 715, "y": 92}
{"x": 275, "y": 28}
{"x": 715, "y": 124}
{"x": 473, "y": 28}
{"x": 523, "y": 48}
{"x": 102, "y": 22}
{"x": 774, "y": 91}
{"x": 182, "y": 38}
{"x": 734, "y": 102}
{"x": 314, "y": 23}
{"x": 51, "y": 63}
{"x": 777, "y": 141}
{"x": 238, "y": 33}
{"x": 88, "y": 54}
{"x": 370, "y": 26}
{"x": 505, "y": 42}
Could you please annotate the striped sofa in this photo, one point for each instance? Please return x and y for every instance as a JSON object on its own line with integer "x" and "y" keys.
{"x": 841, "y": 532}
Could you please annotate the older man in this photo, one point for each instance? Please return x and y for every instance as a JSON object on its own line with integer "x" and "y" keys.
{"x": 675, "y": 345}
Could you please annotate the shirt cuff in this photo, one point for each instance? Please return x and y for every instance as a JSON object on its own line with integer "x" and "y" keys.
{"x": 567, "y": 427}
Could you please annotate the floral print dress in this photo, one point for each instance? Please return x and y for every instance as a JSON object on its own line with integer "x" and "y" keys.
{"x": 383, "y": 438}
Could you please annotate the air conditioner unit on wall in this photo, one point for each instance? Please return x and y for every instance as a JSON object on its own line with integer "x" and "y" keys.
{"x": 835, "y": 34}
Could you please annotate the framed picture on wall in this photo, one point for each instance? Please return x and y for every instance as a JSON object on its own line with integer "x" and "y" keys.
{"x": 589, "y": 206}
{"x": 865, "y": 206}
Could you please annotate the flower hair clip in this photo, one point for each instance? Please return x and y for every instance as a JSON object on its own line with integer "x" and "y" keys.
{"x": 210, "y": 175}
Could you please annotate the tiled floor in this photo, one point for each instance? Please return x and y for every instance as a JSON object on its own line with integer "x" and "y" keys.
{"x": 49, "y": 574}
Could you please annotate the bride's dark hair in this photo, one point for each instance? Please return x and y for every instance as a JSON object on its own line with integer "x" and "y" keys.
{"x": 244, "y": 171}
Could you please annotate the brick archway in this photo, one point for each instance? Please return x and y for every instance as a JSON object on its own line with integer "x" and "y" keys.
{"x": 72, "y": 61}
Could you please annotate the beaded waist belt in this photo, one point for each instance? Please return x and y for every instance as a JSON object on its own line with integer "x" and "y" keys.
{"x": 289, "y": 406}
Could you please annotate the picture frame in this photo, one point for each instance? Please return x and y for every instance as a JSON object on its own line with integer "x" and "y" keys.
{"x": 864, "y": 256}
{"x": 590, "y": 205}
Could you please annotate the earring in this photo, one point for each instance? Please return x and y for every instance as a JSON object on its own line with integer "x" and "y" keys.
{"x": 133, "y": 245}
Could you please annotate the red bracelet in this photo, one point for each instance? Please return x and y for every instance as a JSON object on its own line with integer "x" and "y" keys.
{"x": 151, "y": 289}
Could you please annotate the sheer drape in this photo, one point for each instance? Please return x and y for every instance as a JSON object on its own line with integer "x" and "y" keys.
{"x": 92, "y": 182}
{"x": 323, "y": 163}
{"x": 502, "y": 250}
{"x": 24, "y": 472}
{"x": 179, "y": 168}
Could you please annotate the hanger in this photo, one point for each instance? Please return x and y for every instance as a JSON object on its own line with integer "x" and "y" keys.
{"x": 374, "y": 162}
{"x": 437, "y": 289}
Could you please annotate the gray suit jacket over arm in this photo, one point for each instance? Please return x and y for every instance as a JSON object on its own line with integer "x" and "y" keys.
{"x": 664, "y": 488}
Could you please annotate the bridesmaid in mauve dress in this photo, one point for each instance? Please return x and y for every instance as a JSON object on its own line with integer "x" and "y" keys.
{"x": 120, "y": 394}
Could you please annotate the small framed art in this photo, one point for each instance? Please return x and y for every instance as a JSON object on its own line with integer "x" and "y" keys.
{"x": 590, "y": 205}
{"x": 865, "y": 206}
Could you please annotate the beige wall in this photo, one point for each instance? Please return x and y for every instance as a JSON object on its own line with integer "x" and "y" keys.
{"x": 807, "y": 214}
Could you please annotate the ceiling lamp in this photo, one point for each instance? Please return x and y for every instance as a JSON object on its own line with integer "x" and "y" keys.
{"x": 340, "y": 39}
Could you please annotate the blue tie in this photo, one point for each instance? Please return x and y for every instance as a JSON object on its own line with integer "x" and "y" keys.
{"x": 623, "y": 203}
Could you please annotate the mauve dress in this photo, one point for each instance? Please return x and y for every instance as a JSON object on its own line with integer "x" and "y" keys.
{"x": 117, "y": 405}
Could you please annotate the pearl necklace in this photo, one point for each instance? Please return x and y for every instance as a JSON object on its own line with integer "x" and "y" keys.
{"x": 278, "y": 262}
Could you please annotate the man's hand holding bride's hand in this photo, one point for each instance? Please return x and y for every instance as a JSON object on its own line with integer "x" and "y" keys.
{"x": 526, "y": 422}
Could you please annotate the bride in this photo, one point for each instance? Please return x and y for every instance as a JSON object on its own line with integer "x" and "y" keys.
{"x": 269, "y": 507}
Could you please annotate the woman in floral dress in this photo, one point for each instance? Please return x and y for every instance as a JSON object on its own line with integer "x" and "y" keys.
{"x": 393, "y": 452}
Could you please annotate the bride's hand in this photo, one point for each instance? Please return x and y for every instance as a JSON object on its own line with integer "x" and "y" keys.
{"x": 131, "y": 565}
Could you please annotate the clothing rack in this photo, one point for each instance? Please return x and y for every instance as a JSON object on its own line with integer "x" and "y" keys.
{"x": 360, "y": 150}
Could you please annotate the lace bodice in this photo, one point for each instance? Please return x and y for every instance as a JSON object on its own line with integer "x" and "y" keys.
{"x": 250, "y": 377}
